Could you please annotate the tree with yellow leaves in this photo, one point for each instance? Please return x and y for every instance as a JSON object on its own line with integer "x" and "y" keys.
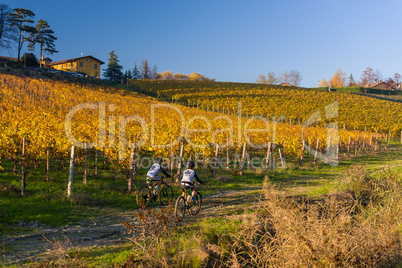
{"x": 167, "y": 75}
{"x": 338, "y": 80}
{"x": 323, "y": 83}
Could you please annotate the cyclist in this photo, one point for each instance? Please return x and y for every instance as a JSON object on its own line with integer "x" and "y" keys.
{"x": 153, "y": 172}
{"x": 187, "y": 181}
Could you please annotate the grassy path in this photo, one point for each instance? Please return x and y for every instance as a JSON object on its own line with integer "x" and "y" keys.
{"x": 227, "y": 199}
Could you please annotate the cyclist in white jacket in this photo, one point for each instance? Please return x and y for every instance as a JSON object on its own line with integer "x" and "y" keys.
{"x": 187, "y": 181}
{"x": 154, "y": 171}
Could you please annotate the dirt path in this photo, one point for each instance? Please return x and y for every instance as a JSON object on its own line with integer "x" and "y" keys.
{"x": 106, "y": 230}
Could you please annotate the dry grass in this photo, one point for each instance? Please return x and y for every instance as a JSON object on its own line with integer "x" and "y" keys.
{"x": 58, "y": 256}
{"x": 354, "y": 228}
{"x": 358, "y": 226}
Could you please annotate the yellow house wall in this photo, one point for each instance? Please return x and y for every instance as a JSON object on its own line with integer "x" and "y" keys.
{"x": 88, "y": 67}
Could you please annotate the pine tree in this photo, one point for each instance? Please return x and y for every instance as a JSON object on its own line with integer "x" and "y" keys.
{"x": 113, "y": 71}
{"x": 43, "y": 36}
{"x": 351, "y": 81}
{"x": 20, "y": 20}
{"x": 129, "y": 75}
{"x": 124, "y": 78}
{"x": 136, "y": 72}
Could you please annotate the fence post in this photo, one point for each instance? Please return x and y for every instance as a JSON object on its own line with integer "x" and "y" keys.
{"x": 71, "y": 173}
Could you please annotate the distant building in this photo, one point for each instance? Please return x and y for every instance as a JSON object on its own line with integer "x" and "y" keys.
{"x": 380, "y": 85}
{"x": 86, "y": 64}
{"x": 397, "y": 86}
{"x": 44, "y": 62}
{"x": 285, "y": 85}
{"x": 4, "y": 59}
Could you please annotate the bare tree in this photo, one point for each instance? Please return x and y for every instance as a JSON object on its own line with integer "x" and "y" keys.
{"x": 145, "y": 70}
{"x": 397, "y": 77}
{"x": 154, "y": 73}
{"x": 284, "y": 77}
{"x": 368, "y": 78}
{"x": 8, "y": 33}
{"x": 261, "y": 79}
{"x": 295, "y": 77}
{"x": 378, "y": 76}
{"x": 271, "y": 78}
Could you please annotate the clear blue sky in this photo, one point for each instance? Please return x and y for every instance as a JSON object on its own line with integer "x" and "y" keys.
{"x": 230, "y": 40}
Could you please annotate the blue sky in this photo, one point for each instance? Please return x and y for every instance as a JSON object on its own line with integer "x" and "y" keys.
{"x": 230, "y": 40}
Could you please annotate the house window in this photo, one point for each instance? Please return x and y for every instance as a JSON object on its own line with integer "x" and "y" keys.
{"x": 86, "y": 59}
{"x": 71, "y": 64}
{"x": 89, "y": 60}
{"x": 96, "y": 66}
{"x": 80, "y": 64}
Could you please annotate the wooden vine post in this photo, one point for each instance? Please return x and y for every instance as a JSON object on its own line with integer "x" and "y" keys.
{"x": 356, "y": 145}
{"x": 47, "y": 163}
{"x": 216, "y": 160}
{"x": 267, "y": 158}
{"x": 179, "y": 166}
{"x": 316, "y": 151}
{"x": 132, "y": 169}
{"x": 371, "y": 141}
{"x": 96, "y": 162}
{"x": 281, "y": 158}
{"x": 301, "y": 155}
{"x": 23, "y": 168}
{"x": 171, "y": 163}
{"x": 364, "y": 142}
{"x": 71, "y": 173}
{"x": 243, "y": 158}
{"x": 85, "y": 162}
{"x": 349, "y": 143}
{"x": 227, "y": 154}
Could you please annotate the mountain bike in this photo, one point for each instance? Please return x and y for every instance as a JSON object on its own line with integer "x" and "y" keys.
{"x": 186, "y": 203}
{"x": 148, "y": 194}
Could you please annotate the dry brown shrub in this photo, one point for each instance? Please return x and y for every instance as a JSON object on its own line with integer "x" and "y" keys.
{"x": 354, "y": 228}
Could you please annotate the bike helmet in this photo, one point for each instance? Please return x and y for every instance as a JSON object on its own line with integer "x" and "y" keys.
{"x": 190, "y": 164}
{"x": 158, "y": 160}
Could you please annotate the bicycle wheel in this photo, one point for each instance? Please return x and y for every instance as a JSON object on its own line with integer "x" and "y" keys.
{"x": 143, "y": 197}
{"x": 196, "y": 204}
{"x": 180, "y": 208}
{"x": 165, "y": 194}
